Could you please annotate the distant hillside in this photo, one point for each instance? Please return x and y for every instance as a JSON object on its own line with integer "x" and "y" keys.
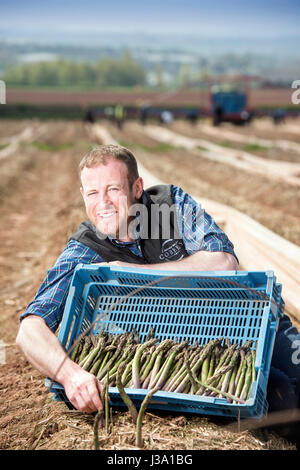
{"x": 172, "y": 58}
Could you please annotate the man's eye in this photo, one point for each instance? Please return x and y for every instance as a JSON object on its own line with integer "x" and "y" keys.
{"x": 91, "y": 194}
{"x": 113, "y": 189}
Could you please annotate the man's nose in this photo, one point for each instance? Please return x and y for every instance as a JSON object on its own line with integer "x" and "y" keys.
{"x": 103, "y": 199}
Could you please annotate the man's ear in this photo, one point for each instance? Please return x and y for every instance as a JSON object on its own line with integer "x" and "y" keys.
{"x": 138, "y": 187}
{"x": 81, "y": 190}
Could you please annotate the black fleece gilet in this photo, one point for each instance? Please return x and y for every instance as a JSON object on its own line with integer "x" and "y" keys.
{"x": 154, "y": 250}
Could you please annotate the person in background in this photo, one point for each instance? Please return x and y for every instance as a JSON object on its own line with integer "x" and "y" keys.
{"x": 119, "y": 115}
{"x": 90, "y": 116}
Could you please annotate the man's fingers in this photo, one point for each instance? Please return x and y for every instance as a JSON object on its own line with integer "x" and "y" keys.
{"x": 94, "y": 394}
{"x": 84, "y": 392}
{"x": 75, "y": 403}
{"x": 84, "y": 404}
{"x": 89, "y": 399}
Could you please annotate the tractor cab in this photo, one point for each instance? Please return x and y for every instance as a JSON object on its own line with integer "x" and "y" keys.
{"x": 229, "y": 103}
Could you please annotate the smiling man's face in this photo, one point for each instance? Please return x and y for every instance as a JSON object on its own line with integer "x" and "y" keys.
{"x": 108, "y": 197}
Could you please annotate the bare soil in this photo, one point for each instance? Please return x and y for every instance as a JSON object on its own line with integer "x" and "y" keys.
{"x": 10, "y": 128}
{"x": 259, "y": 97}
{"x": 40, "y": 208}
{"x": 271, "y": 153}
{"x": 264, "y": 128}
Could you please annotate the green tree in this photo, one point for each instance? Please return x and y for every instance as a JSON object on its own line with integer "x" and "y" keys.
{"x": 158, "y": 71}
{"x": 124, "y": 72}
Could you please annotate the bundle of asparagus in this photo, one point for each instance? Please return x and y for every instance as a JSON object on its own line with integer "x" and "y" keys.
{"x": 218, "y": 368}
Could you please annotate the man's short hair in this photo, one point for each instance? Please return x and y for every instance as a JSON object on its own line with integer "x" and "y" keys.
{"x": 104, "y": 153}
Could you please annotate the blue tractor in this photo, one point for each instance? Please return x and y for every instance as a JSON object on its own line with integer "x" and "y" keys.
{"x": 229, "y": 104}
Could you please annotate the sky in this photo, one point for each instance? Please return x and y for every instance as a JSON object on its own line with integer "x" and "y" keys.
{"x": 41, "y": 19}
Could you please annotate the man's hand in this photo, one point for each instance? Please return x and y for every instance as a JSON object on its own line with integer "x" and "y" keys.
{"x": 45, "y": 353}
{"x": 83, "y": 390}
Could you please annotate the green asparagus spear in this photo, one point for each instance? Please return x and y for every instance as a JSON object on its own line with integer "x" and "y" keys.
{"x": 241, "y": 381}
{"x": 128, "y": 402}
{"x": 248, "y": 378}
{"x": 145, "y": 402}
{"x": 136, "y": 361}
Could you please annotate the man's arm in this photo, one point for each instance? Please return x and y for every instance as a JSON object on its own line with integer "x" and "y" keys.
{"x": 41, "y": 319}
{"x": 43, "y": 350}
{"x": 199, "y": 261}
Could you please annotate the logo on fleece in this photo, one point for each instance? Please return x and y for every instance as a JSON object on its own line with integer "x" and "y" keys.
{"x": 171, "y": 250}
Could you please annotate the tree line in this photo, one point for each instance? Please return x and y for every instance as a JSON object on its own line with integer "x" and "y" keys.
{"x": 122, "y": 72}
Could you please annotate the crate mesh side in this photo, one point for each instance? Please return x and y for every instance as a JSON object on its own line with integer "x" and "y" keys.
{"x": 189, "y": 281}
{"x": 185, "y": 292}
{"x": 180, "y": 318}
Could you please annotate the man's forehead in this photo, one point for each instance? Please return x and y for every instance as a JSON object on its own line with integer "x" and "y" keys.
{"x": 112, "y": 172}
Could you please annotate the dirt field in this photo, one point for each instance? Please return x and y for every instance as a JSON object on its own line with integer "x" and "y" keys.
{"x": 40, "y": 208}
{"x": 271, "y": 135}
{"x": 263, "y": 97}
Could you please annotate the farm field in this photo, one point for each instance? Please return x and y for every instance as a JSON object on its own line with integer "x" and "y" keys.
{"x": 261, "y": 138}
{"x": 41, "y": 206}
{"x": 183, "y": 97}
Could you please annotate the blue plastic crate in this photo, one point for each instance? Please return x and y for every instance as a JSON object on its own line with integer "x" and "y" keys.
{"x": 238, "y": 305}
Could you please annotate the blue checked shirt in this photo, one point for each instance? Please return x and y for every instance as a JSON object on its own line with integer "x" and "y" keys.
{"x": 50, "y": 299}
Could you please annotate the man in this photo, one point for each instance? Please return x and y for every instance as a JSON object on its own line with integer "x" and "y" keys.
{"x": 118, "y": 235}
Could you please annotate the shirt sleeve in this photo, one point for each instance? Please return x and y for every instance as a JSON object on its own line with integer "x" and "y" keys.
{"x": 49, "y": 302}
{"x": 198, "y": 229}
